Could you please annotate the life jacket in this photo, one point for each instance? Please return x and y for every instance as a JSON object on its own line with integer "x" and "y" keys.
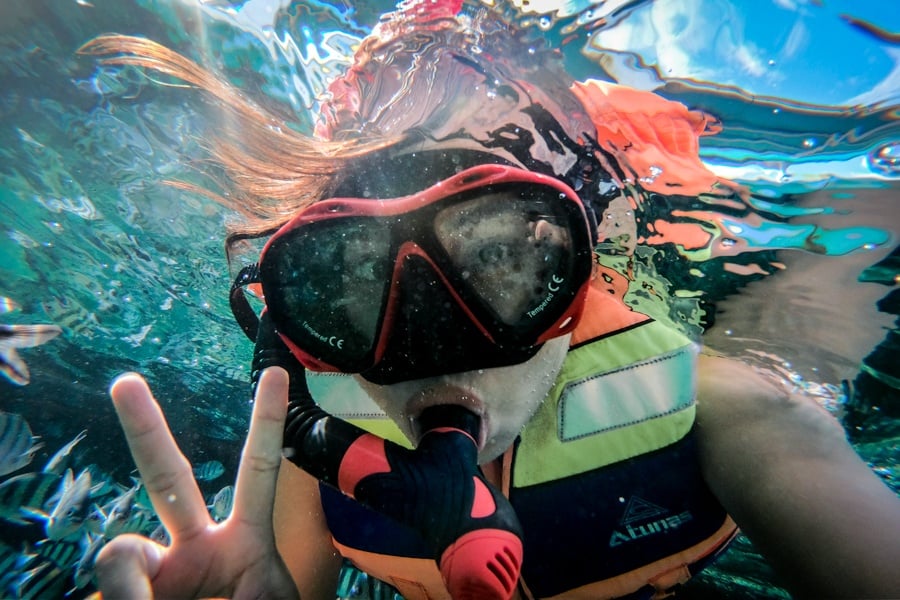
{"x": 605, "y": 478}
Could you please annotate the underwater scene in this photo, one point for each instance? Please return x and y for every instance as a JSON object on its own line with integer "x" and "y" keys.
{"x": 113, "y": 256}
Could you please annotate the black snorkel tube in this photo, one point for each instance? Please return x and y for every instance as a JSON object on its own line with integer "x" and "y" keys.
{"x": 437, "y": 489}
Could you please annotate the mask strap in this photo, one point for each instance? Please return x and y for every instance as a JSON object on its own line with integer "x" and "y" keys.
{"x": 240, "y": 306}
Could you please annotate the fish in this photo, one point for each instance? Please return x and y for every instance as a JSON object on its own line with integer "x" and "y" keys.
{"x": 62, "y": 553}
{"x": 102, "y": 484}
{"x": 84, "y": 568}
{"x": 73, "y": 506}
{"x": 13, "y": 337}
{"x": 209, "y": 470}
{"x": 124, "y": 515}
{"x": 75, "y": 318}
{"x": 17, "y": 443}
{"x": 60, "y": 461}
{"x": 221, "y": 425}
{"x": 142, "y": 497}
{"x": 12, "y": 562}
{"x": 221, "y": 504}
{"x": 25, "y": 497}
{"x": 160, "y": 535}
{"x": 95, "y": 520}
{"x": 46, "y": 580}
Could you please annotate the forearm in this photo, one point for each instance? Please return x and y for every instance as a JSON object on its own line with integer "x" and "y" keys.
{"x": 785, "y": 472}
{"x": 302, "y": 536}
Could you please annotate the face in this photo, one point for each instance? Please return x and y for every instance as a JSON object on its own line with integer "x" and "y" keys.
{"x": 515, "y": 262}
{"x": 505, "y": 398}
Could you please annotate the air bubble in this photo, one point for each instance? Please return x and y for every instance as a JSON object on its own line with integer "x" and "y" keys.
{"x": 886, "y": 159}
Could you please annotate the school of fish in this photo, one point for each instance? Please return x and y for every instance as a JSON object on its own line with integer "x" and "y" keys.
{"x": 62, "y": 514}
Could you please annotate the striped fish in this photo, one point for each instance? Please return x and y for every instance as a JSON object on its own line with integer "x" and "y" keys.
{"x": 46, "y": 580}
{"x": 25, "y": 496}
{"x": 354, "y": 584}
{"x": 17, "y": 444}
{"x": 62, "y": 553}
{"x": 221, "y": 504}
{"x": 161, "y": 536}
{"x": 73, "y": 317}
{"x": 209, "y": 470}
{"x": 124, "y": 515}
{"x": 73, "y": 506}
{"x": 101, "y": 484}
{"x": 84, "y": 568}
{"x": 13, "y": 337}
{"x": 12, "y": 562}
{"x": 60, "y": 461}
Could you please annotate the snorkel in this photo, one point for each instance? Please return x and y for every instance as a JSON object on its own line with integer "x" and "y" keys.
{"x": 436, "y": 489}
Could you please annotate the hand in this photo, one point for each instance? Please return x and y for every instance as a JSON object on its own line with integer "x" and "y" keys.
{"x": 236, "y": 558}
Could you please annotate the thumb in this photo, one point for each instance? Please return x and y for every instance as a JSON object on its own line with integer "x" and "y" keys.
{"x": 126, "y": 566}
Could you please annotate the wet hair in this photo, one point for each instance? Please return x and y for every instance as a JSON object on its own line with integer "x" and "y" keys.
{"x": 421, "y": 79}
{"x": 272, "y": 170}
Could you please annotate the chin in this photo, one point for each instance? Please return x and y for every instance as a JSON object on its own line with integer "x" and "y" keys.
{"x": 504, "y": 398}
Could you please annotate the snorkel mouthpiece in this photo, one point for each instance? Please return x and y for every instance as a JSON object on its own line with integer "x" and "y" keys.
{"x": 437, "y": 489}
{"x": 445, "y": 417}
{"x": 483, "y": 562}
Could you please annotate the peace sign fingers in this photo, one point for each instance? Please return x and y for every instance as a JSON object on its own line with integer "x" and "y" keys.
{"x": 165, "y": 471}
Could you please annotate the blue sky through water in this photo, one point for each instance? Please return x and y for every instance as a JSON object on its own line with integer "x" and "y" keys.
{"x": 799, "y": 50}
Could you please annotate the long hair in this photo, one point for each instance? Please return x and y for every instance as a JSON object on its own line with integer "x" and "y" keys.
{"x": 272, "y": 170}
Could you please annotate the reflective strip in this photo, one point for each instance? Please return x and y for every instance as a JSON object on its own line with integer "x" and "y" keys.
{"x": 617, "y": 397}
{"x": 657, "y": 387}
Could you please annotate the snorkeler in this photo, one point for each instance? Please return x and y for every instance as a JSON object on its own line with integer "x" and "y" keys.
{"x": 511, "y": 428}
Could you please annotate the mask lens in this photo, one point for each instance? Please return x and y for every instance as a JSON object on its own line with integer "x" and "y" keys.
{"x": 515, "y": 256}
{"x": 511, "y": 248}
{"x": 326, "y": 284}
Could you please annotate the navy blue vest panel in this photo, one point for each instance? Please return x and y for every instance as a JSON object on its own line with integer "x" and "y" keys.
{"x": 609, "y": 521}
{"x": 360, "y": 527}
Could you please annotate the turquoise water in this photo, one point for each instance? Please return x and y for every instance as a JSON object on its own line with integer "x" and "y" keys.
{"x": 801, "y": 279}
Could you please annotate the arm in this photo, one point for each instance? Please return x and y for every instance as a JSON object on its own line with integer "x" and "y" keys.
{"x": 782, "y": 467}
{"x": 301, "y": 534}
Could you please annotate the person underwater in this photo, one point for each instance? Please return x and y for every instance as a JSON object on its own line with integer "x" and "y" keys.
{"x": 508, "y": 427}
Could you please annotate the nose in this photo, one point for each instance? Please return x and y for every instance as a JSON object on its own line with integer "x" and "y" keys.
{"x": 432, "y": 335}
